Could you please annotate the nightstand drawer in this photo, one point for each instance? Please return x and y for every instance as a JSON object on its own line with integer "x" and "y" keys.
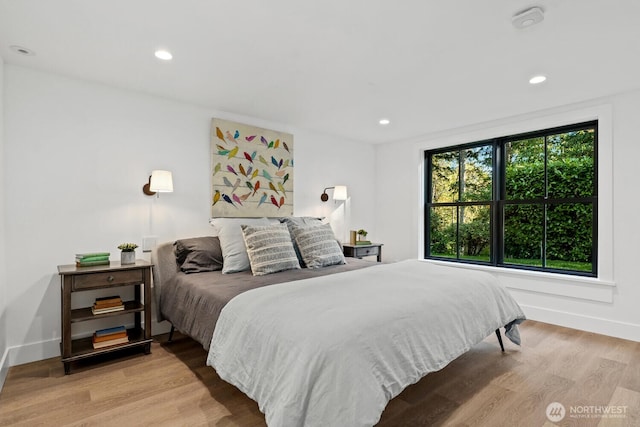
{"x": 101, "y": 280}
{"x": 360, "y": 252}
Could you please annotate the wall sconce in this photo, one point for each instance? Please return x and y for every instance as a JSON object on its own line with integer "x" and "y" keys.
{"x": 159, "y": 182}
{"x": 339, "y": 193}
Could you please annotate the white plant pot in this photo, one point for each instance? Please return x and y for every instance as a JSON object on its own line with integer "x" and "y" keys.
{"x": 127, "y": 257}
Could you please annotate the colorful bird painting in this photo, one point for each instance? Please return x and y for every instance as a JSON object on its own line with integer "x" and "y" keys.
{"x": 262, "y": 199}
{"x": 245, "y": 196}
{"x": 235, "y": 185}
{"x": 248, "y": 157}
{"x": 256, "y": 187}
{"x": 262, "y": 160}
{"x": 237, "y": 134}
{"x": 280, "y": 173}
{"x": 242, "y": 171}
{"x": 217, "y": 168}
{"x": 249, "y": 138}
{"x": 281, "y": 188}
{"x": 216, "y": 197}
{"x": 286, "y": 147}
{"x": 223, "y": 152}
{"x": 274, "y": 162}
{"x": 264, "y": 141}
{"x": 227, "y": 182}
{"x": 236, "y": 199}
{"x": 276, "y": 144}
{"x": 266, "y": 174}
{"x": 255, "y": 174}
{"x": 281, "y": 202}
{"x": 249, "y": 184}
{"x": 230, "y": 169}
{"x": 285, "y": 179}
{"x": 275, "y": 202}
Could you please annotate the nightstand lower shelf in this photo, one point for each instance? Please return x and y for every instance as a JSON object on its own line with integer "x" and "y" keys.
{"x": 83, "y": 347}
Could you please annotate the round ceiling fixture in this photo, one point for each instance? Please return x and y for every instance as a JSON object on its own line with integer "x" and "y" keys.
{"x": 384, "y": 122}
{"x": 535, "y": 80}
{"x": 527, "y": 18}
{"x": 22, "y": 50}
{"x": 165, "y": 55}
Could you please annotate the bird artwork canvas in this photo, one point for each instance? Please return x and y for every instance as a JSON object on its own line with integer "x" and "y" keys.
{"x": 251, "y": 171}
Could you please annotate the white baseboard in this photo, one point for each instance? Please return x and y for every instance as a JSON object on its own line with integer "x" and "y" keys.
{"x": 4, "y": 367}
{"x": 613, "y": 328}
{"x": 41, "y": 350}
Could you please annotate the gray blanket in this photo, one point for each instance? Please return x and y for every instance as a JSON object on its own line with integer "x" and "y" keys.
{"x": 192, "y": 302}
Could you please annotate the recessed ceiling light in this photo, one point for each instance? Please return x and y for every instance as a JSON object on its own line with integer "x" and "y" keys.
{"x": 537, "y": 79}
{"x": 165, "y": 55}
{"x": 384, "y": 122}
{"x": 22, "y": 50}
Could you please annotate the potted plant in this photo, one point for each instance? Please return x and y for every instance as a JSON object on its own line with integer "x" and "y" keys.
{"x": 128, "y": 254}
{"x": 362, "y": 234}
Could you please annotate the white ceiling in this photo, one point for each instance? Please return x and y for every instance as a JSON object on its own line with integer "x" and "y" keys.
{"x": 337, "y": 66}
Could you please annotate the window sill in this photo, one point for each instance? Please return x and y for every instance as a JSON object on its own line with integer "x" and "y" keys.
{"x": 585, "y": 288}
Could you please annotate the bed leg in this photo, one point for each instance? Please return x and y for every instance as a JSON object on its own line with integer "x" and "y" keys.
{"x": 500, "y": 339}
{"x": 173, "y": 329}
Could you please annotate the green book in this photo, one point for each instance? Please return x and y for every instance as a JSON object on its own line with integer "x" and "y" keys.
{"x": 92, "y": 254}
{"x": 363, "y": 242}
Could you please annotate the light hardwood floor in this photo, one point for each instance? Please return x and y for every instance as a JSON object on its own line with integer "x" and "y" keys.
{"x": 484, "y": 387}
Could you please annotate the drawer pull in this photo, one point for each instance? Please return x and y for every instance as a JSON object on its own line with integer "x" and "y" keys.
{"x": 110, "y": 279}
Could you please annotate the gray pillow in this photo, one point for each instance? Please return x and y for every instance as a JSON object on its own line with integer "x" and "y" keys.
{"x": 234, "y": 251}
{"x": 318, "y": 246}
{"x": 198, "y": 254}
{"x": 269, "y": 249}
{"x": 299, "y": 221}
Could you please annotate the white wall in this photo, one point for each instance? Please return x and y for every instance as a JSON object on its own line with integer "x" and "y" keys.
{"x": 605, "y": 305}
{"x": 77, "y": 155}
{"x": 3, "y": 281}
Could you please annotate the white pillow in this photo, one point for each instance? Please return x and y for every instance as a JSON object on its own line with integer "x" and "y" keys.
{"x": 234, "y": 251}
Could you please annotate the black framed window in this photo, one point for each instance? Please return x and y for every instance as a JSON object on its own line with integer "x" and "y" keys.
{"x": 523, "y": 201}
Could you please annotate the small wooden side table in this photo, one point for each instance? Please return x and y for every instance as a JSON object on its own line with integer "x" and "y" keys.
{"x": 76, "y": 279}
{"x": 359, "y": 251}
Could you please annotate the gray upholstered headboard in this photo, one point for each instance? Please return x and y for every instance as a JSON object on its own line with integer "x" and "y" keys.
{"x": 164, "y": 270}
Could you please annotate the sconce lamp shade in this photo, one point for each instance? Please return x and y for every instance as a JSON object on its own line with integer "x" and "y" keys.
{"x": 159, "y": 182}
{"x": 340, "y": 192}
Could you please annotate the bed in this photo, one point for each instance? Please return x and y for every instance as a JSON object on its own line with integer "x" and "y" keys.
{"x": 331, "y": 346}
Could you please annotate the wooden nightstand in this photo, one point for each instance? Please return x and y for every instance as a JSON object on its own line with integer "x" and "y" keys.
{"x": 76, "y": 279}
{"x": 359, "y": 251}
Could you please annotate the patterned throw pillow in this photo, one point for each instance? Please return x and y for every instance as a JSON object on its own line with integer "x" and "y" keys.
{"x": 234, "y": 252}
{"x": 295, "y": 222}
{"x": 269, "y": 249}
{"x": 318, "y": 246}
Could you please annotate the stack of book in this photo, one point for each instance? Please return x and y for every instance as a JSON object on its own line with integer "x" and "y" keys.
{"x": 107, "y": 305}
{"x": 363, "y": 242}
{"x": 96, "y": 258}
{"x": 110, "y": 336}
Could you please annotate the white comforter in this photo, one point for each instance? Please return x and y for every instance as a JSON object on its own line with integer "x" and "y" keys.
{"x": 333, "y": 350}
